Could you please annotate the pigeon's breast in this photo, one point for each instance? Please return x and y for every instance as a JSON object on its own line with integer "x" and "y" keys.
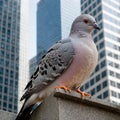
{"x": 83, "y": 64}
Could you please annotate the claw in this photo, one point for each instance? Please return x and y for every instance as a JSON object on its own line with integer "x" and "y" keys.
{"x": 83, "y": 94}
{"x": 64, "y": 88}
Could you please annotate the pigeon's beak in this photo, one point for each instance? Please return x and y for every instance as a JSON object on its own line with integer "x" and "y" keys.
{"x": 95, "y": 25}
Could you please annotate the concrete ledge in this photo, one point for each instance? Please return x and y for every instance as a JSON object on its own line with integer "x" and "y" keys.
{"x": 4, "y": 115}
{"x": 69, "y": 106}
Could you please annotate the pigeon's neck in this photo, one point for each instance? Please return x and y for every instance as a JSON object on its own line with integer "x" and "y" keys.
{"x": 80, "y": 34}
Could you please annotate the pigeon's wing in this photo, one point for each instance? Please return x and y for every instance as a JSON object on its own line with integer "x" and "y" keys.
{"x": 52, "y": 65}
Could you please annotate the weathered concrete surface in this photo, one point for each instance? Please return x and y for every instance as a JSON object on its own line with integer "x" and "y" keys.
{"x": 69, "y": 106}
{"x": 4, "y": 115}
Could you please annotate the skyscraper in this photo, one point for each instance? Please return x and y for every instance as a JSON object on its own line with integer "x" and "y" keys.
{"x": 23, "y": 49}
{"x": 10, "y": 54}
{"x": 104, "y": 83}
{"x": 32, "y": 65}
{"x": 54, "y": 19}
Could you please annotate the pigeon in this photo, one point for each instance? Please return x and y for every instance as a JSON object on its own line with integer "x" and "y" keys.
{"x": 66, "y": 65}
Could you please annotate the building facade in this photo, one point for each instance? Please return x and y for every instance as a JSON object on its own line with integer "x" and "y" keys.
{"x": 10, "y": 58}
{"x": 104, "y": 83}
{"x": 54, "y": 19}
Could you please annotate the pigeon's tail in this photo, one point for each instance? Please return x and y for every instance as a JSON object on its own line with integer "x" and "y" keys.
{"x": 25, "y": 114}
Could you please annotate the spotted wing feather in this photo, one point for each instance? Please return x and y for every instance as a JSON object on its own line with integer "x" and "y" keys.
{"x": 52, "y": 65}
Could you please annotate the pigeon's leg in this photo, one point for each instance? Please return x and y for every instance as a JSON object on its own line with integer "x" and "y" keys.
{"x": 63, "y": 87}
{"x": 83, "y": 94}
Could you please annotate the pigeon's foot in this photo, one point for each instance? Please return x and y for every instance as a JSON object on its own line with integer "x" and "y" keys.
{"x": 83, "y": 94}
{"x": 64, "y": 88}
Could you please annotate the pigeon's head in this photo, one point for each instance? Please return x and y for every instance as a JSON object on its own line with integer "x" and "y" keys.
{"x": 84, "y": 22}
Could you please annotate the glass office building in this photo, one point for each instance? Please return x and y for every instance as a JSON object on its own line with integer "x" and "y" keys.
{"x": 104, "y": 83}
{"x": 32, "y": 65}
{"x": 10, "y": 54}
{"x": 54, "y": 19}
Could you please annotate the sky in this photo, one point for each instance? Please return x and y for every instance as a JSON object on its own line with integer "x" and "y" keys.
{"x": 32, "y": 28}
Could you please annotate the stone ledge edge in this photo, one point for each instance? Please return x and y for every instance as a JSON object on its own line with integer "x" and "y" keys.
{"x": 73, "y": 96}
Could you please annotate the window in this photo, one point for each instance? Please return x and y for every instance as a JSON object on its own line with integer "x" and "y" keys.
{"x": 11, "y": 83}
{"x": 10, "y": 99}
{"x": 109, "y": 53}
{"x": 97, "y": 68}
{"x": 110, "y": 63}
{"x": 6, "y": 81}
{"x": 100, "y": 25}
{"x": 113, "y": 93}
{"x": 7, "y": 55}
{"x": 2, "y": 53}
{"x": 101, "y": 36}
{"x": 10, "y": 106}
{"x": 116, "y": 65}
{"x": 5, "y": 98}
{"x": 11, "y": 90}
{"x": 1, "y": 79}
{"x": 104, "y": 84}
{"x": 105, "y": 94}
{"x": 15, "y": 100}
{"x": 1, "y": 71}
{"x": 85, "y": 5}
{"x": 99, "y": 96}
{"x": 5, "y": 90}
{"x": 104, "y": 74}
{"x": 82, "y": 89}
{"x": 89, "y": 8}
{"x": 97, "y": 78}
{"x": 3, "y": 30}
{"x": 118, "y": 95}
{"x": 92, "y": 82}
{"x": 101, "y": 44}
{"x": 111, "y": 73}
{"x": 0, "y": 88}
{"x": 1, "y": 61}
{"x": 98, "y": 1}
{"x": 99, "y": 8}
{"x": 7, "y": 63}
{"x": 15, "y": 108}
{"x": 12, "y": 57}
{"x": 6, "y": 72}
{"x": 116, "y": 56}
{"x": 112, "y": 83}
{"x": 93, "y": 91}
{"x": 4, "y": 104}
{"x": 94, "y": 5}
{"x": 103, "y": 64}
{"x": 102, "y": 54}
{"x": 118, "y": 75}
{"x": 3, "y": 45}
{"x": 99, "y": 17}
{"x": 98, "y": 88}
{"x": 118, "y": 85}
{"x": 94, "y": 12}
{"x": 86, "y": 85}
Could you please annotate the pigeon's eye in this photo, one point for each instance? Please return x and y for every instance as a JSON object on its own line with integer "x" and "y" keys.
{"x": 85, "y": 21}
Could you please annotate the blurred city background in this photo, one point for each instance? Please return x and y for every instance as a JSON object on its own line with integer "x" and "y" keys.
{"x": 29, "y": 27}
